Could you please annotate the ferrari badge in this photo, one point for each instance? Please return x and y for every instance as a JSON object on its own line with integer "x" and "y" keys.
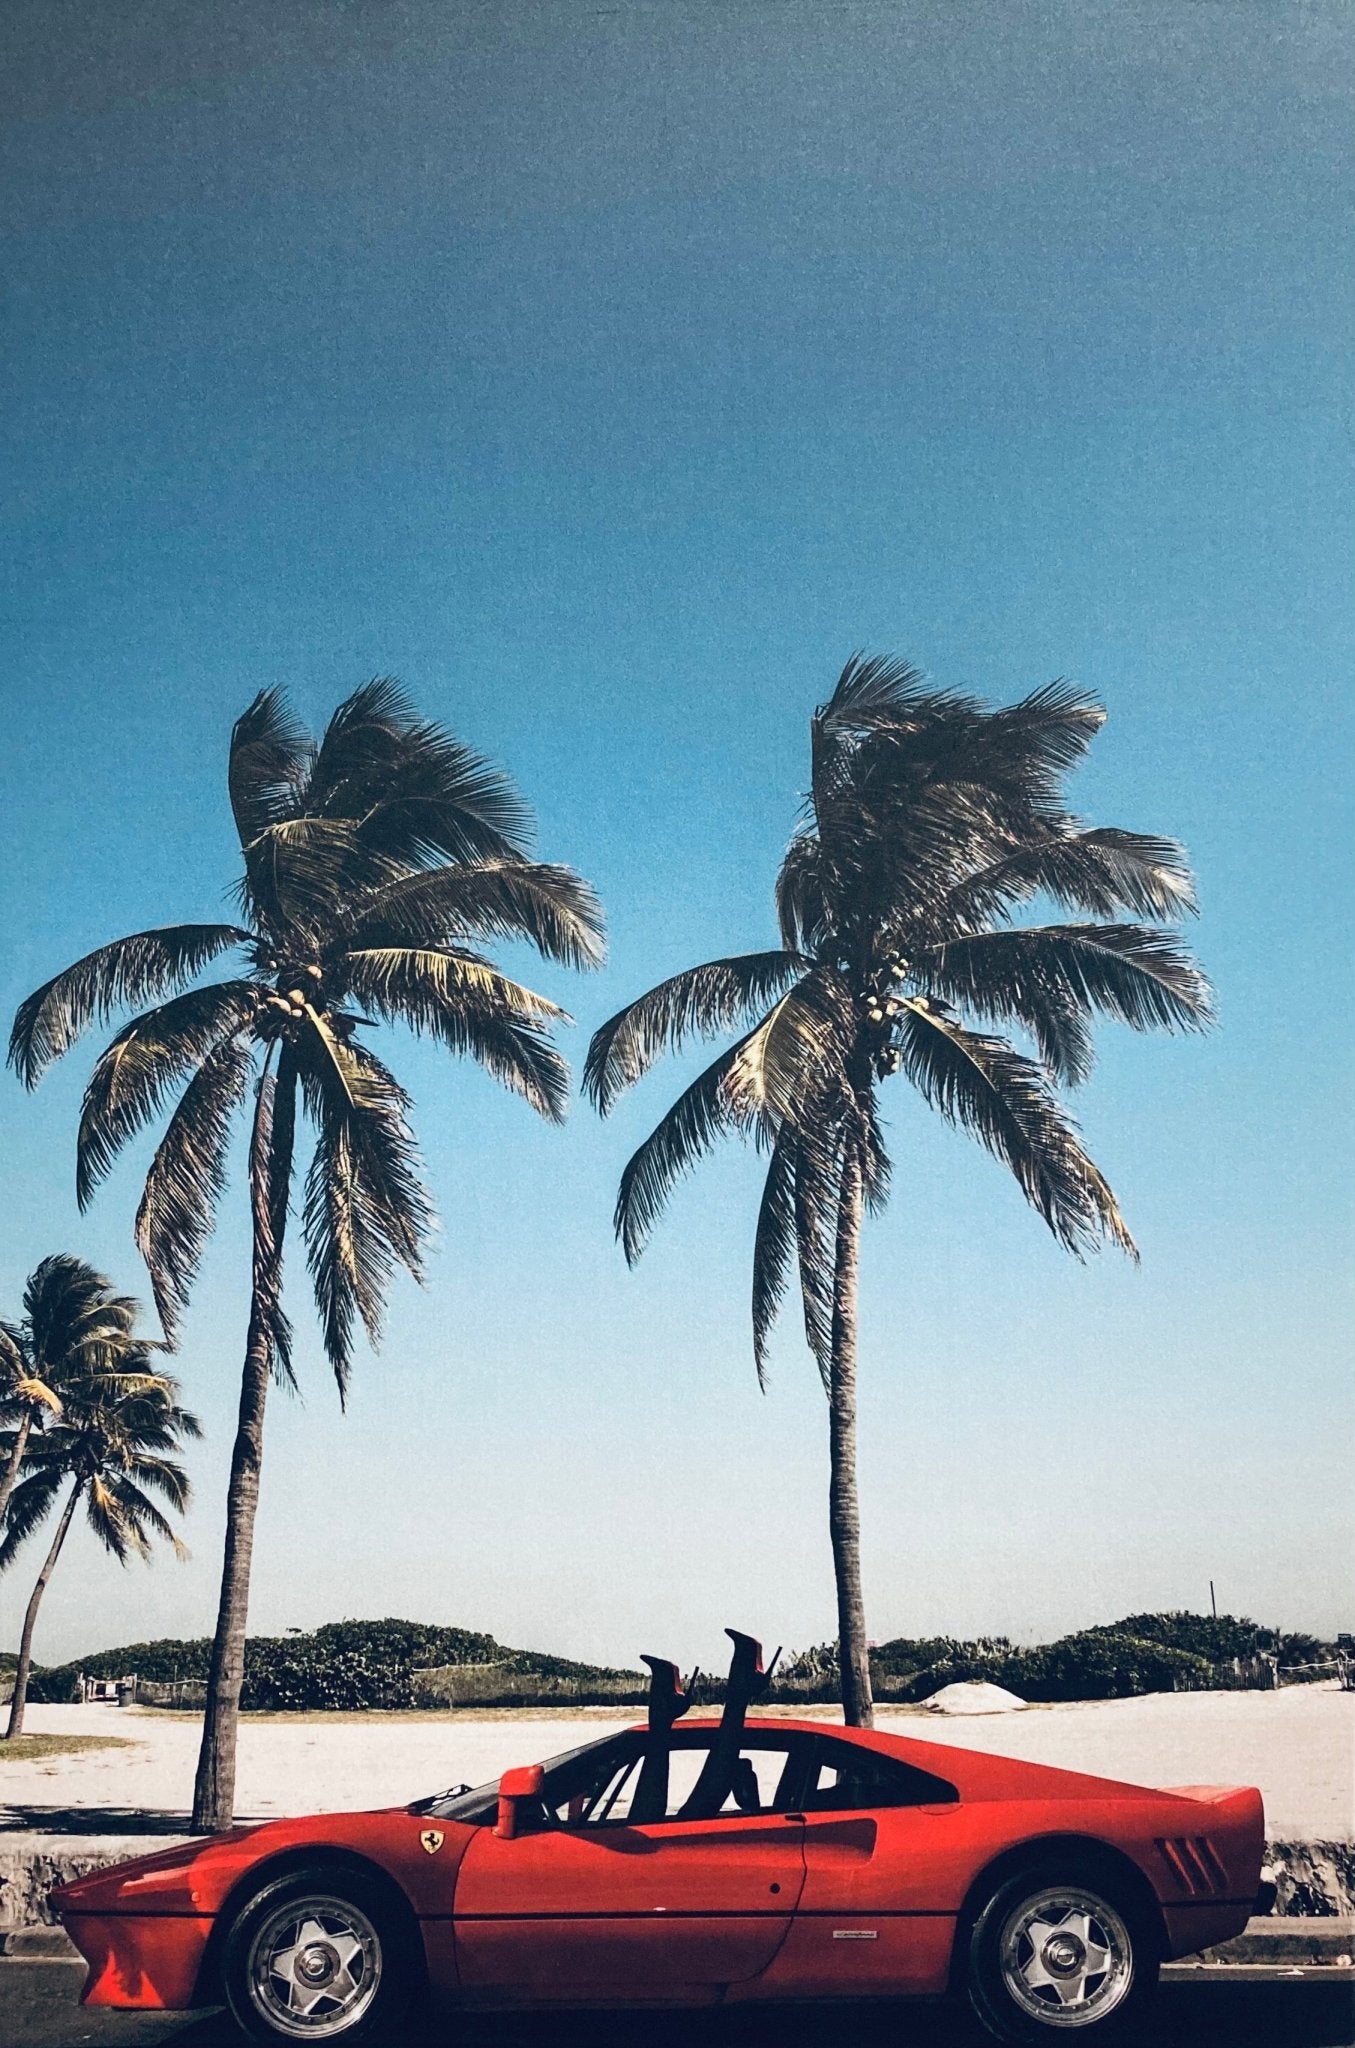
{"x": 431, "y": 1839}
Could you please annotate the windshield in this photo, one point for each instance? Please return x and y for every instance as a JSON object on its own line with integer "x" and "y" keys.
{"x": 478, "y": 1803}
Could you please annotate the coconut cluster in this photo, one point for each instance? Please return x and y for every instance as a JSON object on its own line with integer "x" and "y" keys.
{"x": 881, "y": 1005}
{"x": 296, "y": 992}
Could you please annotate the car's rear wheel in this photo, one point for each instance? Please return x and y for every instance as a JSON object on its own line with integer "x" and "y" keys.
{"x": 1059, "y": 1950}
{"x": 321, "y": 1954}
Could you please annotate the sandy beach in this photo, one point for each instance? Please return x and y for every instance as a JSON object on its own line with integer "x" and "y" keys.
{"x": 1298, "y": 1745}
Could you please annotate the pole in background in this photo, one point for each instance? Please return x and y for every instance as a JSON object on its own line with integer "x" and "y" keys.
{"x": 1213, "y": 1603}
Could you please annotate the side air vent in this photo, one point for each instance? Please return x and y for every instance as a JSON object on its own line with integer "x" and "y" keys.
{"x": 1195, "y": 1863}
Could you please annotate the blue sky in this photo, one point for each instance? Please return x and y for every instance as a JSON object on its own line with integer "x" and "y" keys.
{"x": 609, "y": 376}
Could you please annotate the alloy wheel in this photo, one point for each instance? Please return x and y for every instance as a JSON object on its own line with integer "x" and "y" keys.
{"x": 314, "y": 1968}
{"x": 1066, "y": 1957}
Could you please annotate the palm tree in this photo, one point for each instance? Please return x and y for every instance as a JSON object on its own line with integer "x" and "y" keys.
{"x": 930, "y": 821}
{"x": 115, "y": 1443}
{"x": 374, "y": 864}
{"x": 73, "y": 1323}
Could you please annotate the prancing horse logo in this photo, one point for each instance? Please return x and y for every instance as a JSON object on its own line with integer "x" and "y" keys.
{"x": 431, "y": 1838}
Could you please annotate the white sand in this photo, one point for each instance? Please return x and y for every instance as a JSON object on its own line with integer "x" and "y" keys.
{"x": 973, "y": 1696}
{"x": 1298, "y": 1745}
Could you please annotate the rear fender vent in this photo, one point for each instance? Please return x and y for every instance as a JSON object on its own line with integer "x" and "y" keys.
{"x": 1194, "y": 1862}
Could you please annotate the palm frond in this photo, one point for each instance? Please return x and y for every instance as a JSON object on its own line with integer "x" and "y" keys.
{"x": 143, "y": 1518}
{"x": 773, "y": 1244}
{"x": 163, "y": 1474}
{"x": 818, "y": 1185}
{"x": 798, "y": 1051}
{"x": 36, "y": 1393}
{"x": 1003, "y": 1099}
{"x": 548, "y": 905}
{"x": 131, "y": 970}
{"x": 1002, "y": 766}
{"x": 515, "y": 1052}
{"x": 1047, "y": 733}
{"x": 883, "y": 689}
{"x": 697, "y": 1002}
{"x": 29, "y": 1505}
{"x": 1012, "y": 984}
{"x": 142, "y": 1064}
{"x": 876, "y": 1168}
{"x": 472, "y": 1009}
{"x": 187, "y": 1177}
{"x": 119, "y": 1532}
{"x": 698, "y": 1117}
{"x": 13, "y": 1363}
{"x": 270, "y": 759}
{"x": 873, "y": 693}
{"x": 876, "y": 693}
{"x": 416, "y": 793}
{"x": 1099, "y": 869}
{"x": 1141, "y": 975}
{"x": 331, "y": 1053}
{"x": 804, "y": 896}
{"x": 414, "y": 985}
{"x": 909, "y": 813}
{"x": 366, "y": 1208}
{"x": 68, "y": 1305}
{"x": 300, "y": 874}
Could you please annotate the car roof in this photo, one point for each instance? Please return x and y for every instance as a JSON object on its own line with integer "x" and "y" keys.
{"x": 975, "y": 1773}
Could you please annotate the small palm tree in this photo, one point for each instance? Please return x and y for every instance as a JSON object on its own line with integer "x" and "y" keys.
{"x": 115, "y": 1443}
{"x": 374, "y": 867}
{"x": 930, "y": 821}
{"x": 73, "y": 1324}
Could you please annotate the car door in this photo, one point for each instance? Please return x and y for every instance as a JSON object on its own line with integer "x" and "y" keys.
{"x": 873, "y": 1826}
{"x": 591, "y": 1904}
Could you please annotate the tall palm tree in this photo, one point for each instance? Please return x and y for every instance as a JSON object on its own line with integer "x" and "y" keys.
{"x": 374, "y": 866}
{"x": 930, "y": 821}
{"x": 73, "y": 1323}
{"x": 115, "y": 1444}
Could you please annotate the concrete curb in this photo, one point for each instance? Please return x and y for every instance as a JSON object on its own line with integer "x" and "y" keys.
{"x": 45, "y": 1944}
{"x": 1283, "y": 1939}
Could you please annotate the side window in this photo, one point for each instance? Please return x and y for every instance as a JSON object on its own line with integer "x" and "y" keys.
{"x": 609, "y": 1799}
{"x": 845, "y": 1779}
{"x": 595, "y": 1786}
{"x": 609, "y": 1784}
{"x": 762, "y": 1781}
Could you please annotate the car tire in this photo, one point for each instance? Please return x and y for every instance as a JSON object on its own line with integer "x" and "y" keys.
{"x": 325, "y": 1953}
{"x": 1062, "y": 1949}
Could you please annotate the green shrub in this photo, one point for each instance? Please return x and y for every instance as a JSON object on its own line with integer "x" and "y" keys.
{"x": 1219, "y": 1638}
{"x": 355, "y": 1665}
{"x": 373, "y": 1664}
{"x": 1103, "y": 1664}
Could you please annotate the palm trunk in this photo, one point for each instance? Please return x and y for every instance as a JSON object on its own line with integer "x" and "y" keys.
{"x": 15, "y": 1460}
{"x": 21, "y": 1676}
{"x": 844, "y": 1514}
{"x": 270, "y": 1166}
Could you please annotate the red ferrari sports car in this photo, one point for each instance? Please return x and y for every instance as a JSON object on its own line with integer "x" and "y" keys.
{"x": 721, "y": 1861}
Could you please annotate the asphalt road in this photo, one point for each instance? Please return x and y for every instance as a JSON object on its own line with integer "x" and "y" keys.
{"x": 39, "y": 2009}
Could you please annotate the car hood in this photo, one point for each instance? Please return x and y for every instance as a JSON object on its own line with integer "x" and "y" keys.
{"x": 163, "y": 1882}
{"x": 195, "y": 1878}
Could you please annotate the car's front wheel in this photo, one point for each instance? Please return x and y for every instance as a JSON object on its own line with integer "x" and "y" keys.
{"x": 1056, "y": 1951}
{"x": 318, "y": 1955}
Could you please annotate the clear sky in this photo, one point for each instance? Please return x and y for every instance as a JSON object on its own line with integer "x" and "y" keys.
{"x": 609, "y": 375}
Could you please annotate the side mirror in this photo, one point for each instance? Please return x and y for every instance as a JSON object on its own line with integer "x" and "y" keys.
{"x": 514, "y": 1787}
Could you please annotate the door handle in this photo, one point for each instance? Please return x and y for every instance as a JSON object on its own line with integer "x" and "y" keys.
{"x": 794, "y": 1817}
